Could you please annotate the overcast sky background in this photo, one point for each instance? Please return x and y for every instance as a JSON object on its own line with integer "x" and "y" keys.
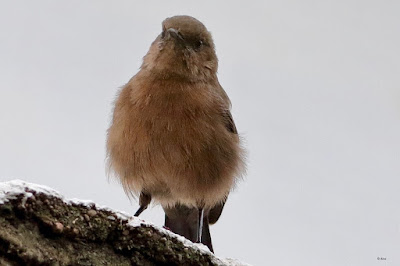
{"x": 315, "y": 89}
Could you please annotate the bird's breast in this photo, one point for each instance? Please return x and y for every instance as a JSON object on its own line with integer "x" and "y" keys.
{"x": 178, "y": 122}
{"x": 172, "y": 141}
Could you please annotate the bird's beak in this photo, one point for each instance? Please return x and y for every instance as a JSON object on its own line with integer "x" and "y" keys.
{"x": 171, "y": 32}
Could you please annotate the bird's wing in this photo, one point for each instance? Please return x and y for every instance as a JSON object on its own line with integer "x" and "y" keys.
{"x": 215, "y": 212}
{"x": 226, "y": 113}
{"x": 229, "y": 123}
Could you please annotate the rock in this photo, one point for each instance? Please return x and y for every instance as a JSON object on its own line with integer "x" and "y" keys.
{"x": 92, "y": 213}
{"x": 58, "y": 227}
{"x": 57, "y": 232}
{"x": 87, "y": 218}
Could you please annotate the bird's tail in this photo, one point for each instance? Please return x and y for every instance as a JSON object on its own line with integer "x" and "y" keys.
{"x": 183, "y": 220}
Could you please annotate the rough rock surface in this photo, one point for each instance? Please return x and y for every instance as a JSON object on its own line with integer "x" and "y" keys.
{"x": 41, "y": 228}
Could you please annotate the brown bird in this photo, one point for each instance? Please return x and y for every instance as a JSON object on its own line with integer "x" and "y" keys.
{"x": 172, "y": 137}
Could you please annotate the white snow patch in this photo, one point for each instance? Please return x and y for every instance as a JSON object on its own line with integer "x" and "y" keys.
{"x": 233, "y": 262}
{"x": 11, "y": 189}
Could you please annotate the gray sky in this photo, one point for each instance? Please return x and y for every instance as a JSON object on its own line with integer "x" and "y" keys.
{"x": 316, "y": 94}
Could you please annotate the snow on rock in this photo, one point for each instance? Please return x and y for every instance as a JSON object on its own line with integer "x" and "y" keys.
{"x": 12, "y": 189}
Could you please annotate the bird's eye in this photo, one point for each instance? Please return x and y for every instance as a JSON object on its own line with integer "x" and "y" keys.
{"x": 199, "y": 44}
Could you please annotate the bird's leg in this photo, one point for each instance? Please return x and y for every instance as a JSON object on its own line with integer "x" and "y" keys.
{"x": 144, "y": 201}
{"x": 200, "y": 225}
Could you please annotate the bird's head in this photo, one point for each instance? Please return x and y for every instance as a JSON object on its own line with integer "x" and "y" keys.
{"x": 184, "y": 48}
